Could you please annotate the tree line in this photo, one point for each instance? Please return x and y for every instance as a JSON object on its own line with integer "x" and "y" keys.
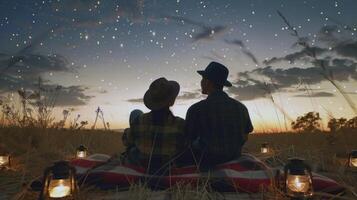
{"x": 311, "y": 122}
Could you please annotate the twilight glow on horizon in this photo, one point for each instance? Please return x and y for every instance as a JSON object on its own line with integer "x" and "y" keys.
{"x": 107, "y": 52}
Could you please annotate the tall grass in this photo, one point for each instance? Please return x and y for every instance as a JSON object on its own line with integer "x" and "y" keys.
{"x": 33, "y": 149}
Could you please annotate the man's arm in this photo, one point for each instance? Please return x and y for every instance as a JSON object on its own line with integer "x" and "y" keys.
{"x": 248, "y": 126}
{"x": 191, "y": 131}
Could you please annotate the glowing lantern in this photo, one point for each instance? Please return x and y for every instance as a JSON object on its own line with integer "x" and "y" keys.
{"x": 298, "y": 179}
{"x": 264, "y": 148}
{"x": 352, "y": 160}
{"x": 4, "y": 161}
{"x": 59, "y": 182}
{"x": 82, "y": 151}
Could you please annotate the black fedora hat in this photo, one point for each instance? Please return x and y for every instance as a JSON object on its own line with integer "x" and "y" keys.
{"x": 161, "y": 93}
{"x": 216, "y": 73}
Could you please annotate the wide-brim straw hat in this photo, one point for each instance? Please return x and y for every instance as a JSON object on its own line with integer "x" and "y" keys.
{"x": 161, "y": 93}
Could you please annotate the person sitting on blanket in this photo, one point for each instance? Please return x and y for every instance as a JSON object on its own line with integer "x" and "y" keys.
{"x": 217, "y": 127}
{"x": 130, "y": 148}
{"x": 157, "y": 135}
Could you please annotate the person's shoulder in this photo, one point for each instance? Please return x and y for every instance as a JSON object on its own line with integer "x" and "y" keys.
{"x": 197, "y": 106}
{"x": 179, "y": 120}
{"x": 237, "y": 103}
{"x": 146, "y": 117}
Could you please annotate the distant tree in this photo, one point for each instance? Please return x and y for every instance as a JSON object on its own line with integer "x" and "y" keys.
{"x": 352, "y": 123}
{"x": 337, "y": 124}
{"x": 310, "y": 122}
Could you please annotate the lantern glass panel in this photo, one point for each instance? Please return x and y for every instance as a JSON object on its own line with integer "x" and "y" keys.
{"x": 298, "y": 183}
{"x": 264, "y": 150}
{"x": 59, "y": 188}
{"x": 4, "y": 160}
{"x": 81, "y": 154}
{"x": 353, "y": 162}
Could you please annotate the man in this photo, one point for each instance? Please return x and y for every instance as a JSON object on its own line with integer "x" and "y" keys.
{"x": 216, "y": 127}
{"x": 158, "y": 134}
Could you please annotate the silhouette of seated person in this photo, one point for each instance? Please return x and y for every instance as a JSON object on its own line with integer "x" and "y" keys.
{"x": 216, "y": 127}
{"x": 130, "y": 149}
{"x": 157, "y": 135}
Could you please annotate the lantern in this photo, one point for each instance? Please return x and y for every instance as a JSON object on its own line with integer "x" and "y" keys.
{"x": 59, "y": 182}
{"x": 264, "y": 149}
{"x": 4, "y": 161}
{"x": 82, "y": 151}
{"x": 298, "y": 179}
{"x": 352, "y": 160}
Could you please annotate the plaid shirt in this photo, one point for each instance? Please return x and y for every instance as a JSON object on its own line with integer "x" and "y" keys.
{"x": 157, "y": 134}
{"x": 221, "y": 124}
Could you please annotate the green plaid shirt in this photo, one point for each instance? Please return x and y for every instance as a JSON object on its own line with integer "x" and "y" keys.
{"x": 158, "y": 133}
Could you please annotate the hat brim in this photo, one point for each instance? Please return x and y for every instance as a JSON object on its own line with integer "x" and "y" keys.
{"x": 154, "y": 104}
{"x": 202, "y": 73}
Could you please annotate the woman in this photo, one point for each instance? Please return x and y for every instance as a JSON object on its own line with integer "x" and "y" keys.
{"x": 157, "y": 134}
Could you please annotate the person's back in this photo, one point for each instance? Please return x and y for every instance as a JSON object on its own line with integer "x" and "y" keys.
{"x": 223, "y": 123}
{"x": 158, "y": 135}
{"x": 217, "y": 127}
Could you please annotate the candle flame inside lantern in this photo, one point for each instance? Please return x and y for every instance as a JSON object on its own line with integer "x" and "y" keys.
{"x": 4, "y": 160}
{"x": 354, "y": 162}
{"x": 264, "y": 150}
{"x": 298, "y": 183}
{"x": 81, "y": 154}
{"x": 59, "y": 188}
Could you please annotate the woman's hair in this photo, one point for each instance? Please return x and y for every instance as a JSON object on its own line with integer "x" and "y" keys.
{"x": 134, "y": 115}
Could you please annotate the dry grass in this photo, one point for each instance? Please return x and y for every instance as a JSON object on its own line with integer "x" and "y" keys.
{"x": 34, "y": 149}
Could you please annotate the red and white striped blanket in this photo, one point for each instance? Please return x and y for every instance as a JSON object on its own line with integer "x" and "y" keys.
{"x": 246, "y": 174}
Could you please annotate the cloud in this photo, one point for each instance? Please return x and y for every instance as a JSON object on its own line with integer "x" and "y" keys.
{"x": 25, "y": 72}
{"x": 103, "y": 91}
{"x": 348, "y": 50}
{"x": 260, "y": 82}
{"x": 243, "y": 49}
{"x": 206, "y": 33}
{"x": 64, "y": 95}
{"x": 328, "y": 34}
{"x": 214, "y": 56}
{"x": 317, "y": 94}
{"x": 338, "y": 43}
{"x": 137, "y": 100}
{"x": 33, "y": 65}
{"x": 248, "y": 92}
{"x": 209, "y": 33}
{"x": 73, "y": 96}
{"x": 194, "y": 95}
{"x": 190, "y": 95}
{"x": 302, "y": 55}
{"x": 8, "y": 61}
{"x": 239, "y": 43}
{"x": 250, "y": 55}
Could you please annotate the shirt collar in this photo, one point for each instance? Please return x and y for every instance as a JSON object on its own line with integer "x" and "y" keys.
{"x": 216, "y": 94}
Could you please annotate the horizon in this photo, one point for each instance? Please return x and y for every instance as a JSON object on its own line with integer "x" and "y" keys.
{"x": 106, "y": 54}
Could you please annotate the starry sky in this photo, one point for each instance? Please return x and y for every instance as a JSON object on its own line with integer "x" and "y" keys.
{"x": 285, "y": 57}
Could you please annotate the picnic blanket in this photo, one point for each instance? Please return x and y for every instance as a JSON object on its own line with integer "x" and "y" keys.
{"x": 246, "y": 174}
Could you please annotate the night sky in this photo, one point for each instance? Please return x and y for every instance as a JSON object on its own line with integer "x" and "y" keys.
{"x": 106, "y": 53}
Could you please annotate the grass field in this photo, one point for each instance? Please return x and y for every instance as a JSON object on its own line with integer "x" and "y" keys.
{"x": 33, "y": 150}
